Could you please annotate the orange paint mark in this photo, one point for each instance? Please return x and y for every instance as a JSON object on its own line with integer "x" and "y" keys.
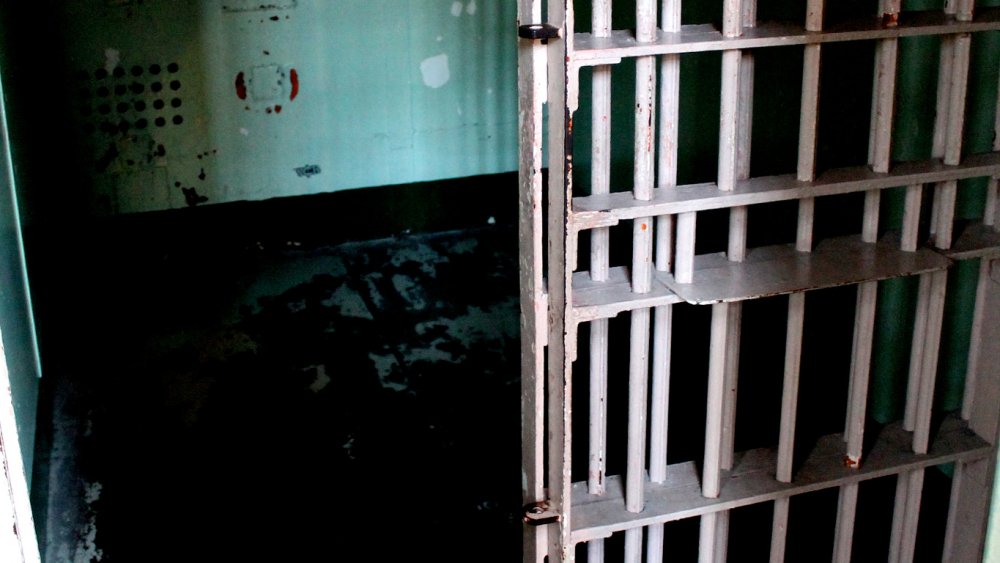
{"x": 643, "y": 227}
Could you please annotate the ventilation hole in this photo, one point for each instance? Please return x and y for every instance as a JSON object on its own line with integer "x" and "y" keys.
{"x": 154, "y": 69}
{"x": 172, "y": 67}
{"x": 140, "y": 106}
{"x": 137, "y": 88}
{"x": 141, "y": 123}
{"x": 137, "y": 70}
{"x": 176, "y": 102}
{"x": 156, "y": 86}
{"x": 103, "y": 92}
{"x": 100, "y": 74}
{"x": 120, "y": 90}
{"x": 119, "y": 72}
{"x": 122, "y": 107}
{"x": 124, "y": 126}
{"x": 175, "y": 84}
{"x": 178, "y": 120}
{"x": 158, "y": 104}
{"x": 160, "y": 122}
{"x": 104, "y": 109}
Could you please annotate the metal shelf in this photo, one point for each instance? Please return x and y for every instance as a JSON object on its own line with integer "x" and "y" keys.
{"x": 752, "y": 479}
{"x": 601, "y": 300}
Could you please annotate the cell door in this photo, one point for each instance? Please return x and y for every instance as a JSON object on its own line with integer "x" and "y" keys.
{"x": 627, "y": 268}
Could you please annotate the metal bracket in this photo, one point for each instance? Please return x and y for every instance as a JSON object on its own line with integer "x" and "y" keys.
{"x": 542, "y": 31}
{"x": 540, "y": 514}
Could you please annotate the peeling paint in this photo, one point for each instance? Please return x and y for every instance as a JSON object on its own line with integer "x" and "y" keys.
{"x": 308, "y": 171}
{"x": 349, "y": 302}
{"x": 456, "y": 8}
{"x": 470, "y": 8}
{"x": 435, "y": 71}
{"x": 409, "y": 290}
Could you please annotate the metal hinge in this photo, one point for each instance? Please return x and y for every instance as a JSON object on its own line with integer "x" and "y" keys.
{"x": 542, "y": 31}
{"x": 540, "y": 514}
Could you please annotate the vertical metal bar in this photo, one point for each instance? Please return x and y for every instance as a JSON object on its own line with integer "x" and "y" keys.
{"x": 710, "y": 482}
{"x": 975, "y": 344}
{"x": 708, "y": 529}
{"x": 531, "y": 81}
{"x": 911, "y": 218}
{"x": 684, "y": 259}
{"x": 916, "y": 354}
{"x": 561, "y": 339}
{"x": 600, "y": 183}
{"x": 844, "y": 532}
{"x": 670, "y": 11}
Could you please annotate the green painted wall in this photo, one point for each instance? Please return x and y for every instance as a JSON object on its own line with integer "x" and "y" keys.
{"x": 389, "y": 92}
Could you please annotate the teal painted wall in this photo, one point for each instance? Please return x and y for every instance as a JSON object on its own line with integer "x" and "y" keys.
{"x": 389, "y": 92}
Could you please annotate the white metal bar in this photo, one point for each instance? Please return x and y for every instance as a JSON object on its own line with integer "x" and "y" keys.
{"x": 705, "y": 38}
{"x": 638, "y": 373}
{"x": 708, "y": 532}
{"x": 911, "y": 218}
{"x": 561, "y": 338}
{"x": 531, "y": 83}
{"x": 752, "y": 479}
{"x": 898, "y": 515}
{"x": 684, "y": 259}
{"x": 779, "y": 530}
{"x": 916, "y": 354}
{"x": 609, "y": 209}
{"x": 905, "y": 548}
{"x": 633, "y": 545}
{"x": 711, "y": 480}
{"x": 790, "y": 389}
{"x": 975, "y": 339}
{"x": 844, "y": 532}
{"x": 925, "y": 394}
{"x": 954, "y": 505}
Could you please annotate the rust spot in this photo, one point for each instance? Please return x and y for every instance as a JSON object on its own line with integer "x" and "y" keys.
{"x": 294, "y": 77}
{"x": 851, "y": 463}
{"x": 241, "y": 86}
{"x": 277, "y": 108}
{"x": 890, "y": 20}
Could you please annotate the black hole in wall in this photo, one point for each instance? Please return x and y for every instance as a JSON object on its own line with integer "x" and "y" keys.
{"x": 122, "y": 107}
{"x": 137, "y": 88}
{"x": 178, "y": 120}
{"x": 158, "y": 104}
{"x": 137, "y": 70}
{"x": 141, "y": 123}
{"x": 176, "y": 102}
{"x": 120, "y": 90}
{"x": 119, "y": 72}
{"x": 103, "y": 92}
{"x": 160, "y": 122}
{"x": 154, "y": 69}
{"x": 104, "y": 109}
{"x": 172, "y": 67}
{"x": 175, "y": 84}
{"x": 100, "y": 74}
{"x": 140, "y": 105}
{"x": 156, "y": 86}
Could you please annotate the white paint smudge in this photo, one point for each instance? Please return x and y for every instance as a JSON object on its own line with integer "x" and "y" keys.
{"x": 322, "y": 379}
{"x": 491, "y": 221}
{"x": 92, "y": 492}
{"x": 86, "y": 550}
{"x": 384, "y": 367}
{"x": 111, "y": 58}
{"x": 440, "y": 38}
{"x": 470, "y": 8}
{"x": 244, "y": 131}
{"x": 456, "y": 8}
{"x": 410, "y": 291}
{"x": 350, "y": 302}
{"x": 435, "y": 71}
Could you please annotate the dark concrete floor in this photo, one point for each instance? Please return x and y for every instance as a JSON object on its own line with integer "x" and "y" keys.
{"x": 287, "y": 402}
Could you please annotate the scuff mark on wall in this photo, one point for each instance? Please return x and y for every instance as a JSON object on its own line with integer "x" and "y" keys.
{"x": 241, "y": 86}
{"x": 191, "y": 197}
{"x": 111, "y": 59}
{"x": 435, "y": 71}
{"x": 470, "y": 8}
{"x": 308, "y": 171}
{"x": 293, "y": 76}
{"x": 456, "y": 8}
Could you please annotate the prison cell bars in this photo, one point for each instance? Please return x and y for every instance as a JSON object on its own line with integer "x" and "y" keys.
{"x": 567, "y": 330}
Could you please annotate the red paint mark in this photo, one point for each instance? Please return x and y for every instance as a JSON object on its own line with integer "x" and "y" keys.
{"x": 890, "y": 20}
{"x": 643, "y": 227}
{"x": 850, "y": 463}
{"x": 277, "y": 109}
{"x": 241, "y": 87}
{"x": 294, "y": 76}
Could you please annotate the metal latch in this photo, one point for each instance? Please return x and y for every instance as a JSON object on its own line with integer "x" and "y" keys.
{"x": 543, "y": 31}
{"x": 540, "y": 514}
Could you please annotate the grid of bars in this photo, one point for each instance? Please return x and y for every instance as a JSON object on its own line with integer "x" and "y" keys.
{"x": 665, "y": 271}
